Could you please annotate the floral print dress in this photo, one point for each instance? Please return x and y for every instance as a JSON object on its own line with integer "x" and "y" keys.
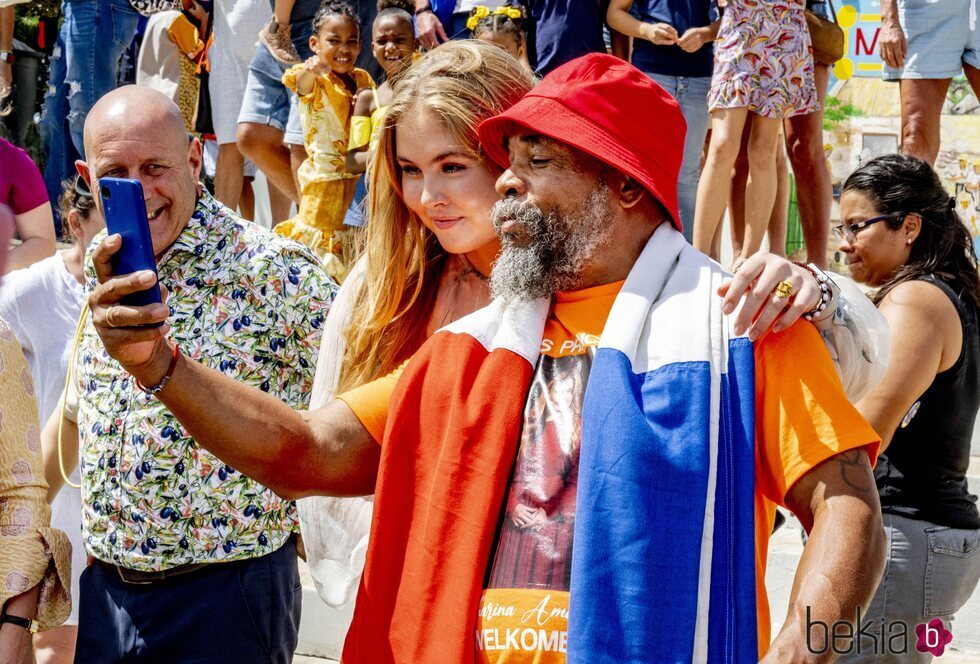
{"x": 326, "y": 188}
{"x": 31, "y": 552}
{"x": 763, "y": 60}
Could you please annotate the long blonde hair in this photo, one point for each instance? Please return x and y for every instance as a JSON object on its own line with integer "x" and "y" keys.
{"x": 459, "y": 84}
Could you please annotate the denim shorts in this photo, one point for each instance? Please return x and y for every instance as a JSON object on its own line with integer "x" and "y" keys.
{"x": 930, "y": 572}
{"x": 940, "y": 37}
{"x": 820, "y": 8}
{"x": 267, "y": 101}
{"x": 294, "y": 130}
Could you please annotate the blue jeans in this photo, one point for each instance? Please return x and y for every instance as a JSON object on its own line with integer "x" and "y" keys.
{"x": 84, "y": 66}
{"x": 691, "y": 92}
{"x": 244, "y": 611}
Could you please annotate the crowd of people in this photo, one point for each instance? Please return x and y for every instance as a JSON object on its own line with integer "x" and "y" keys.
{"x": 482, "y": 372}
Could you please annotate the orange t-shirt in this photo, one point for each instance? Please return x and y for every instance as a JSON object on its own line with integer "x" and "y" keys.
{"x": 802, "y": 419}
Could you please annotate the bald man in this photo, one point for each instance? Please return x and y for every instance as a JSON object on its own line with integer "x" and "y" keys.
{"x": 192, "y": 560}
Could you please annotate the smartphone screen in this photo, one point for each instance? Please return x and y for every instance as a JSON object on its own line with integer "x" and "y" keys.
{"x": 125, "y": 214}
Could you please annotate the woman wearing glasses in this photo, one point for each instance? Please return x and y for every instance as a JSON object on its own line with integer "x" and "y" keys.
{"x": 901, "y": 235}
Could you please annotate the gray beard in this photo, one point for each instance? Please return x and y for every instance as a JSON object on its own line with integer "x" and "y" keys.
{"x": 558, "y": 246}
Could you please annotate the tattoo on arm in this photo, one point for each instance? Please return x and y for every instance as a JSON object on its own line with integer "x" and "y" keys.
{"x": 852, "y": 470}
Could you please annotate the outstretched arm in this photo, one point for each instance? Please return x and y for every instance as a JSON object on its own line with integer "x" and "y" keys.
{"x": 837, "y": 503}
{"x": 294, "y": 453}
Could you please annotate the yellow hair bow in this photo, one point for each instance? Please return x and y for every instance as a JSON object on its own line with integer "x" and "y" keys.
{"x": 481, "y": 12}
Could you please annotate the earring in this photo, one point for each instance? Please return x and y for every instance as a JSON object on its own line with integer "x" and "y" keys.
{"x": 908, "y": 242}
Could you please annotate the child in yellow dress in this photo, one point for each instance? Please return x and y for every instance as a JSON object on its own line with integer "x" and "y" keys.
{"x": 326, "y": 84}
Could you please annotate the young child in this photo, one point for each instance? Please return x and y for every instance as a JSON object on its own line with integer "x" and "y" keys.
{"x": 277, "y": 34}
{"x": 503, "y": 27}
{"x": 326, "y": 84}
{"x": 393, "y": 43}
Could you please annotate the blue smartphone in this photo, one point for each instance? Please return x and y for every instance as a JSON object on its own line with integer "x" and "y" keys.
{"x": 125, "y": 213}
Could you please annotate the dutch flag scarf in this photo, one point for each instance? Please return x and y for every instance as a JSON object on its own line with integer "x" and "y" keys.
{"x": 663, "y": 566}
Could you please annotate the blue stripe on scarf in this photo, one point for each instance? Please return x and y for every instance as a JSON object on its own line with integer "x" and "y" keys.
{"x": 643, "y": 478}
{"x": 732, "y": 623}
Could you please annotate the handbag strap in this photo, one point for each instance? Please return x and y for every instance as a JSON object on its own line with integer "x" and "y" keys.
{"x": 833, "y": 12}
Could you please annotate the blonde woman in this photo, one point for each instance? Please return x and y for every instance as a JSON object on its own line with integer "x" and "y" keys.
{"x": 429, "y": 248}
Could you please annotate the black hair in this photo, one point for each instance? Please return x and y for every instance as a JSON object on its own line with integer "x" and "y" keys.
{"x": 75, "y": 195}
{"x": 897, "y": 185}
{"x": 502, "y": 23}
{"x": 400, "y": 8}
{"x": 331, "y": 8}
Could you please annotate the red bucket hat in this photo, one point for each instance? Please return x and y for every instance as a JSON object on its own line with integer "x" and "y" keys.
{"x": 609, "y": 109}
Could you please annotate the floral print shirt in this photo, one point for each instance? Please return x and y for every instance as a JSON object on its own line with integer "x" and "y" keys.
{"x": 247, "y": 303}
{"x": 150, "y": 7}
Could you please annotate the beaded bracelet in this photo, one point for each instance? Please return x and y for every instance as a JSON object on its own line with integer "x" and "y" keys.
{"x": 166, "y": 378}
{"x": 827, "y": 292}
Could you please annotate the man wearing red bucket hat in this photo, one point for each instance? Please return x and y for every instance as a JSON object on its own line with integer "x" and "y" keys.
{"x": 591, "y": 157}
{"x": 610, "y": 451}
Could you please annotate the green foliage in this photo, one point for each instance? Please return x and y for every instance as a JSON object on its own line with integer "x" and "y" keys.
{"x": 959, "y": 90}
{"x": 25, "y": 28}
{"x": 27, "y": 16}
{"x": 37, "y": 8}
{"x": 835, "y": 112}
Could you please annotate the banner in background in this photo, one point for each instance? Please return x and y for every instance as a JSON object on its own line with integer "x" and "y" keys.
{"x": 861, "y": 21}
{"x": 863, "y": 114}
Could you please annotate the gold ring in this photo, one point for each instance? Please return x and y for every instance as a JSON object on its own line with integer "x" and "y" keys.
{"x": 108, "y": 317}
{"x": 783, "y": 289}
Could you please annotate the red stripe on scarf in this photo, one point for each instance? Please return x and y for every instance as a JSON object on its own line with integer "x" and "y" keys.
{"x": 448, "y": 452}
